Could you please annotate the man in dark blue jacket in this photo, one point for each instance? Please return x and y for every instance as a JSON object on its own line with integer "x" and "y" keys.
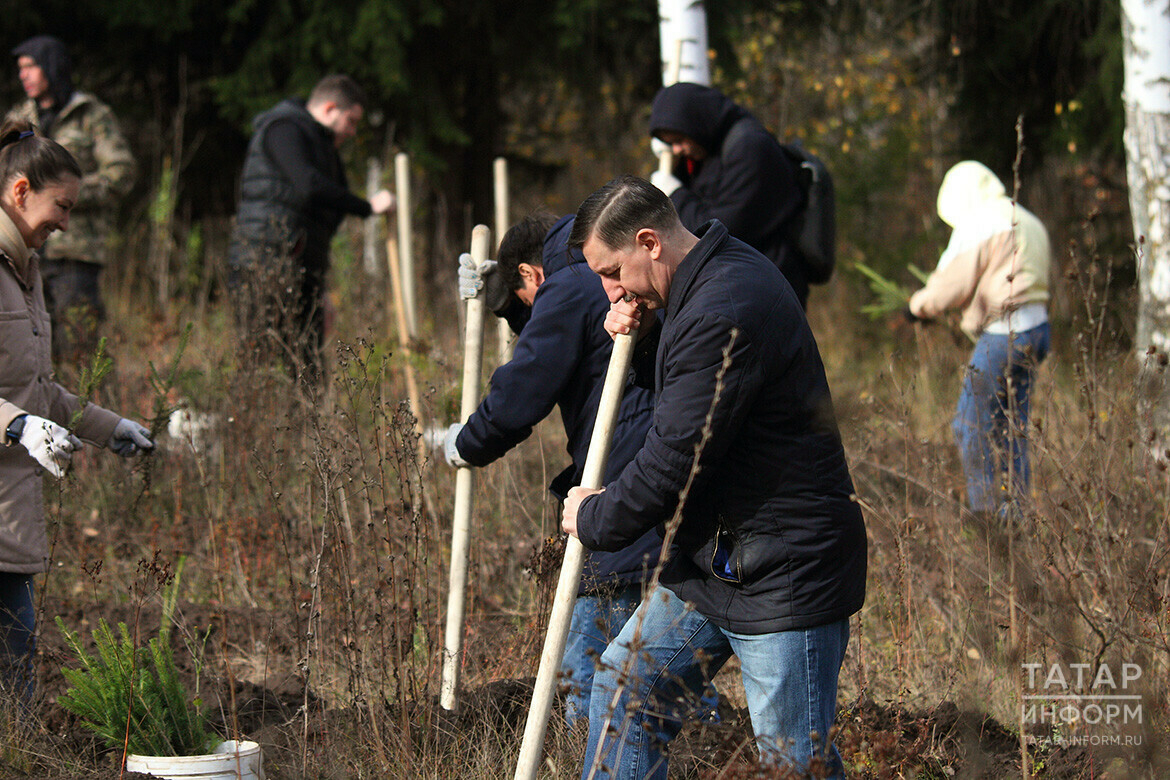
{"x": 730, "y": 168}
{"x": 560, "y": 359}
{"x": 768, "y": 549}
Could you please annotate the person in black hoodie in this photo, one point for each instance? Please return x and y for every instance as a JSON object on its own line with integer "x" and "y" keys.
{"x": 744, "y": 471}
{"x": 729, "y": 167}
{"x": 293, "y": 196}
{"x": 557, "y": 306}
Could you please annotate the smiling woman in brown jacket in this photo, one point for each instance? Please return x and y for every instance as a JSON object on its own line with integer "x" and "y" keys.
{"x": 39, "y": 182}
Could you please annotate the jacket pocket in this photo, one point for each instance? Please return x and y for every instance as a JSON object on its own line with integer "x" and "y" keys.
{"x": 17, "y": 365}
{"x": 726, "y": 562}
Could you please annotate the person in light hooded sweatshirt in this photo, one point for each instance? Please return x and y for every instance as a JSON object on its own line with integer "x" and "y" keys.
{"x": 995, "y": 268}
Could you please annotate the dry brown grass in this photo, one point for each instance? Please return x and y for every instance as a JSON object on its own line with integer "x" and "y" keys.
{"x": 318, "y": 541}
{"x": 317, "y": 546}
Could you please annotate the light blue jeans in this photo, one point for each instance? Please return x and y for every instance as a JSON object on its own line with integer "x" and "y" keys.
{"x": 667, "y": 652}
{"x": 991, "y": 423}
{"x": 597, "y": 619}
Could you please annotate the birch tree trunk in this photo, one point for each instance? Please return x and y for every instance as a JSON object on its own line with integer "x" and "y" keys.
{"x": 1145, "y": 26}
{"x": 682, "y": 36}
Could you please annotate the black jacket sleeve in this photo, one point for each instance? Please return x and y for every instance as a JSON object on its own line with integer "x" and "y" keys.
{"x": 695, "y": 382}
{"x": 525, "y": 389}
{"x": 292, "y": 152}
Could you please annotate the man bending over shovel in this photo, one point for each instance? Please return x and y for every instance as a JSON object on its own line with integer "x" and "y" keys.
{"x": 557, "y": 306}
{"x": 744, "y": 469}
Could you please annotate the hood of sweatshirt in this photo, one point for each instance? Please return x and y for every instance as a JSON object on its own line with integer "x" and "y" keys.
{"x": 966, "y": 188}
{"x": 699, "y": 112}
{"x": 50, "y": 53}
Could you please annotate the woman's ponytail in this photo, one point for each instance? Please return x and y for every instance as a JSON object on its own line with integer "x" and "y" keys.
{"x": 41, "y": 160}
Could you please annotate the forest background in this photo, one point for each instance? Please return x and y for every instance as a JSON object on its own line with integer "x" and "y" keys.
{"x": 317, "y": 533}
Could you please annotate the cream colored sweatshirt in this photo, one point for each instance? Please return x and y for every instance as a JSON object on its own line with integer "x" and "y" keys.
{"x": 998, "y": 256}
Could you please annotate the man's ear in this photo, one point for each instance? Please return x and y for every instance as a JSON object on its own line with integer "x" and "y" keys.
{"x": 533, "y": 272}
{"x": 650, "y": 240}
{"x": 324, "y": 109}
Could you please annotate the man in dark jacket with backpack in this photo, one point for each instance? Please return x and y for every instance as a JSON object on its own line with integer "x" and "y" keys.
{"x": 743, "y": 470}
{"x": 729, "y": 167}
{"x": 557, "y": 306}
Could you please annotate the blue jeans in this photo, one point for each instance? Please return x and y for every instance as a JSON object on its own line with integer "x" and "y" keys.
{"x": 597, "y": 619}
{"x": 17, "y": 634}
{"x": 992, "y": 419}
{"x": 790, "y": 679}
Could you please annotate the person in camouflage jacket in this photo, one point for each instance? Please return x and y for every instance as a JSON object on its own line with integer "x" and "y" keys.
{"x": 89, "y": 130}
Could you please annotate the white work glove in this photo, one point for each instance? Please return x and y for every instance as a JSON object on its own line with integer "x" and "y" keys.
{"x": 128, "y": 438}
{"x": 382, "y": 202}
{"x": 484, "y": 276}
{"x": 658, "y": 146}
{"x": 49, "y": 443}
{"x": 450, "y": 451}
{"x": 665, "y": 182}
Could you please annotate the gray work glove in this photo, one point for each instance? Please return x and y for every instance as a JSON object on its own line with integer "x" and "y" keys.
{"x": 434, "y": 436}
{"x": 49, "y": 443}
{"x": 128, "y": 438}
{"x": 450, "y": 451}
{"x": 486, "y": 278}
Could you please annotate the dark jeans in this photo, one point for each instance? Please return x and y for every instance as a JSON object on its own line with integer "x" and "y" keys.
{"x": 17, "y": 634}
{"x": 73, "y": 298}
{"x": 279, "y": 301}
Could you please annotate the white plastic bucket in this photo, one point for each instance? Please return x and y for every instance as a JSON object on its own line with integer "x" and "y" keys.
{"x": 230, "y": 760}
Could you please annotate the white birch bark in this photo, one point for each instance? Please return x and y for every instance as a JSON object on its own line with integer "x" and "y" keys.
{"x": 1146, "y": 31}
{"x": 682, "y": 34}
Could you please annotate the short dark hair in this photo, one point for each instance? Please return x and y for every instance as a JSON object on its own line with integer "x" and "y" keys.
{"x": 616, "y": 212}
{"x": 41, "y": 160}
{"x": 524, "y": 243}
{"x": 339, "y": 88}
